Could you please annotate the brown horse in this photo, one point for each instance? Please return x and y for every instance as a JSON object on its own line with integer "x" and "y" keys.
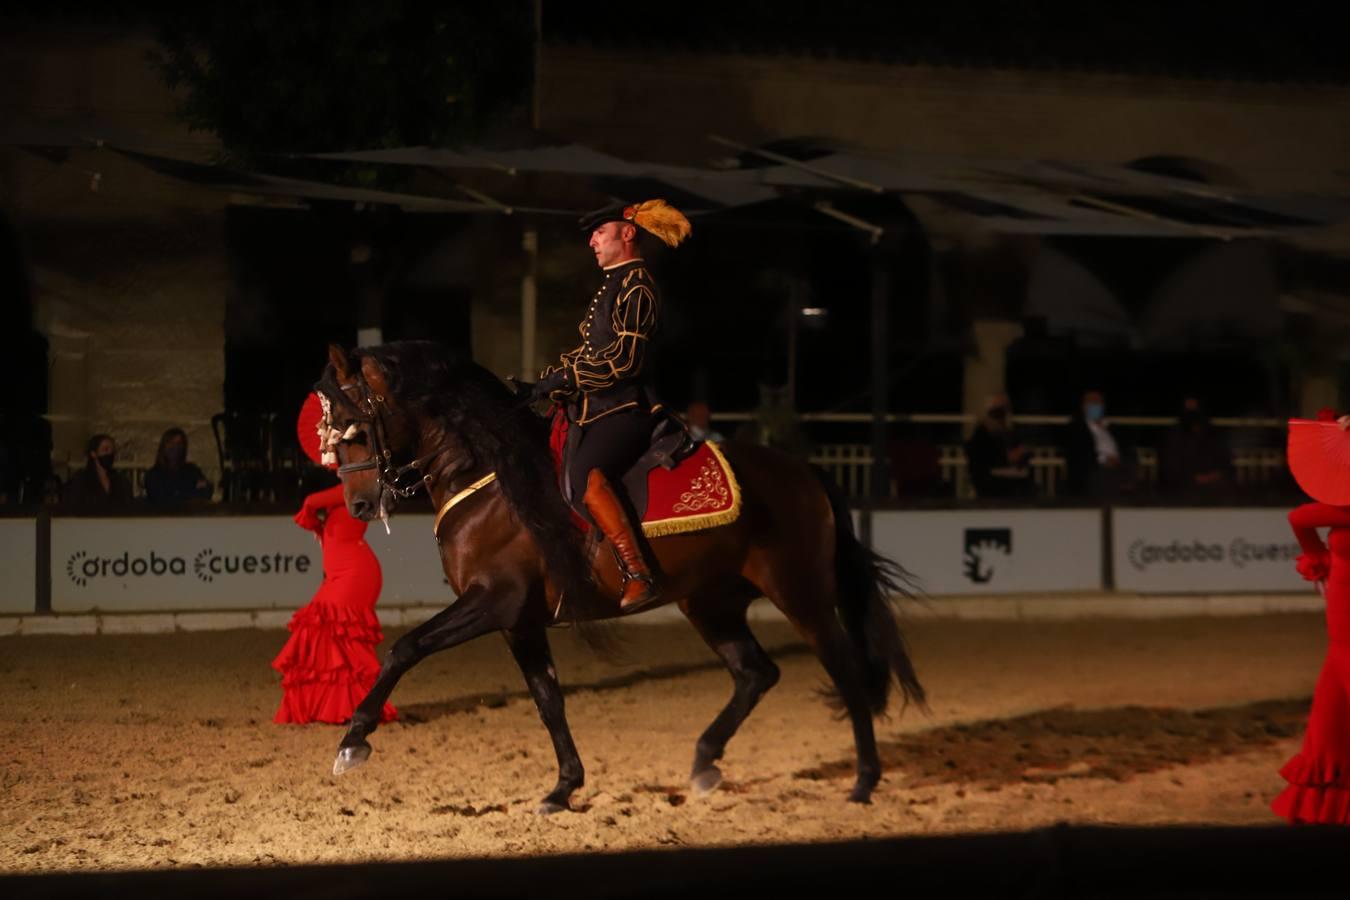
{"x": 409, "y": 415}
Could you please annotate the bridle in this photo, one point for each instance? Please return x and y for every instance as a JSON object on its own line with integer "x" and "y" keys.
{"x": 372, "y": 409}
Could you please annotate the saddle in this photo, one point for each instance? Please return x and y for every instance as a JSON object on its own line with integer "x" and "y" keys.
{"x": 669, "y": 445}
{"x": 678, "y": 485}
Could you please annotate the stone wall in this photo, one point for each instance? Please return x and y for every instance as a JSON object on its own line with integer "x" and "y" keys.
{"x": 128, "y": 268}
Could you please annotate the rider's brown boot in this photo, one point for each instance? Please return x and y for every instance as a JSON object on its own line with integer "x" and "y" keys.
{"x": 608, "y": 513}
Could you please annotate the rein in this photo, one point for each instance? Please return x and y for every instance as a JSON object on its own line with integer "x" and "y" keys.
{"x": 391, "y": 477}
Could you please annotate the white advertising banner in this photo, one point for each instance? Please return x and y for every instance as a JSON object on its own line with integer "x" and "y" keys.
{"x": 995, "y": 551}
{"x": 218, "y": 562}
{"x": 1204, "y": 551}
{"x": 18, "y": 566}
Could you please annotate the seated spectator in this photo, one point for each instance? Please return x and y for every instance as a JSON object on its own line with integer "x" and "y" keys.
{"x": 995, "y": 455}
{"x": 172, "y": 479}
{"x": 1095, "y": 455}
{"x": 1194, "y": 460}
{"x": 775, "y": 424}
{"x": 98, "y": 484}
{"x": 698, "y": 417}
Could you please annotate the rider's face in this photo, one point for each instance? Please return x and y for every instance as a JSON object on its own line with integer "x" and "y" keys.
{"x": 612, "y": 243}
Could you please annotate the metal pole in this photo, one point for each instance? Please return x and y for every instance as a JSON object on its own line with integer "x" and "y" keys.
{"x": 538, "y": 62}
{"x": 42, "y": 603}
{"x": 529, "y": 302}
{"x": 369, "y": 297}
{"x": 881, "y": 476}
{"x": 794, "y": 312}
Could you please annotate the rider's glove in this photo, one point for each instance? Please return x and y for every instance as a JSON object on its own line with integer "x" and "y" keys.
{"x": 557, "y": 381}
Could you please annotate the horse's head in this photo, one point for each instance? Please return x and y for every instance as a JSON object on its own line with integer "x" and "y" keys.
{"x": 366, "y": 430}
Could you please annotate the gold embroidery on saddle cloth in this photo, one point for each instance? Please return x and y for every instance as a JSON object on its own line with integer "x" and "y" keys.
{"x": 714, "y": 489}
{"x": 708, "y": 490}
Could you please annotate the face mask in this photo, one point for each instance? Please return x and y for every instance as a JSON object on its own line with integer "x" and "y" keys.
{"x": 1095, "y": 412}
{"x": 106, "y": 460}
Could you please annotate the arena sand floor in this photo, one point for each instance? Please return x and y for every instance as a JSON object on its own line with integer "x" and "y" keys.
{"x": 146, "y": 751}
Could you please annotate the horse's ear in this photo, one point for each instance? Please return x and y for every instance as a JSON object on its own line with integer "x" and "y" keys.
{"x": 338, "y": 358}
{"x": 374, "y": 374}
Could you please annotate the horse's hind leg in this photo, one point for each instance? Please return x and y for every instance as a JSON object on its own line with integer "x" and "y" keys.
{"x": 529, "y": 645}
{"x": 720, "y": 619}
{"x": 809, "y": 604}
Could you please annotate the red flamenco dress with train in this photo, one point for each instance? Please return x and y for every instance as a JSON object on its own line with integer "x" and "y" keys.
{"x": 1319, "y": 775}
{"x": 329, "y": 664}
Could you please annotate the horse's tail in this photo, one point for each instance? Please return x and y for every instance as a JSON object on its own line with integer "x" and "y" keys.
{"x": 866, "y": 582}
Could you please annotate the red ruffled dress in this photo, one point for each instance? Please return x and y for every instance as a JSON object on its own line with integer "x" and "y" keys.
{"x": 1319, "y": 776}
{"x": 329, "y": 664}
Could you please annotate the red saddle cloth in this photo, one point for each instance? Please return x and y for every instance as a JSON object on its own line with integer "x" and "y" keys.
{"x": 700, "y": 492}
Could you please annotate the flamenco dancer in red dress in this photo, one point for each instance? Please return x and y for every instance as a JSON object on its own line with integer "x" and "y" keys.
{"x": 328, "y": 664}
{"x": 1319, "y": 775}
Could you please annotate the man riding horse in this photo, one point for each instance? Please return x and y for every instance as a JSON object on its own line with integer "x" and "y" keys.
{"x": 604, "y": 384}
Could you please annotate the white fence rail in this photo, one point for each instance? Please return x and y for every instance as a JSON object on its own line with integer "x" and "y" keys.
{"x": 851, "y": 467}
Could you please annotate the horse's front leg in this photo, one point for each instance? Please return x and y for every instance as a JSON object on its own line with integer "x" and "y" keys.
{"x": 529, "y": 645}
{"x": 479, "y": 610}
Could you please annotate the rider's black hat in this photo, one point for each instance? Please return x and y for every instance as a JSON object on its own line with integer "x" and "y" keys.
{"x": 654, "y": 216}
{"x": 596, "y": 218}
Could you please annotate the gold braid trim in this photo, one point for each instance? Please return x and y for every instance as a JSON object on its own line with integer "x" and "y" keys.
{"x": 459, "y": 498}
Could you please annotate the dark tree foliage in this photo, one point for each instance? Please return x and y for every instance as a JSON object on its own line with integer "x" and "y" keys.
{"x": 315, "y": 76}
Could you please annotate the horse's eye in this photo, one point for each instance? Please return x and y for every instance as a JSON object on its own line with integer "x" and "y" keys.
{"x": 358, "y": 438}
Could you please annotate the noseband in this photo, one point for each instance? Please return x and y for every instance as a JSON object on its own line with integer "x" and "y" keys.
{"x": 392, "y": 478}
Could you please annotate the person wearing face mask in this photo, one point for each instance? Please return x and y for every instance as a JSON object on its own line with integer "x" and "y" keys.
{"x": 995, "y": 454}
{"x": 1096, "y": 455}
{"x": 98, "y": 483}
{"x": 1194, "y": 461}
{"x": 172, "y": 479}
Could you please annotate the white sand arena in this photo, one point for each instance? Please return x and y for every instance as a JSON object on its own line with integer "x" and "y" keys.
{"x": 158, "y": 750}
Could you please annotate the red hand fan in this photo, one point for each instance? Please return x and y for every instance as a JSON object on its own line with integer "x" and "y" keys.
{"x": 307, "y": 427}
{"x": 1319, "y": 457}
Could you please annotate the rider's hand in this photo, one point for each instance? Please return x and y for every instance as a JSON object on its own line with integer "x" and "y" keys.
{"x": 547, "y": 385}
{"x": 1344, "y": 422}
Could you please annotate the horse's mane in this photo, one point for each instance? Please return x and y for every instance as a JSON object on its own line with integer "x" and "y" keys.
{"x": 433, "y": 382}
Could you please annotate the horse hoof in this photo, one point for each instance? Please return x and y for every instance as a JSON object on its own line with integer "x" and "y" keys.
{"x": 860, "y": 794}
{"x": 549, "y": 807}
{"x": 349, "y": 758}
{"x": 707, "y": 781}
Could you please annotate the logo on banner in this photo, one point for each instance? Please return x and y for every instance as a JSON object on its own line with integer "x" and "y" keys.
{"x": 1240, "y": 553}
{"x": 985, "y": 549}
{"x": 207, "y": 565}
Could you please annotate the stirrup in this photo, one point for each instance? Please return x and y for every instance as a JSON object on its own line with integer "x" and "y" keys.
{"x": 651, "y": 596}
